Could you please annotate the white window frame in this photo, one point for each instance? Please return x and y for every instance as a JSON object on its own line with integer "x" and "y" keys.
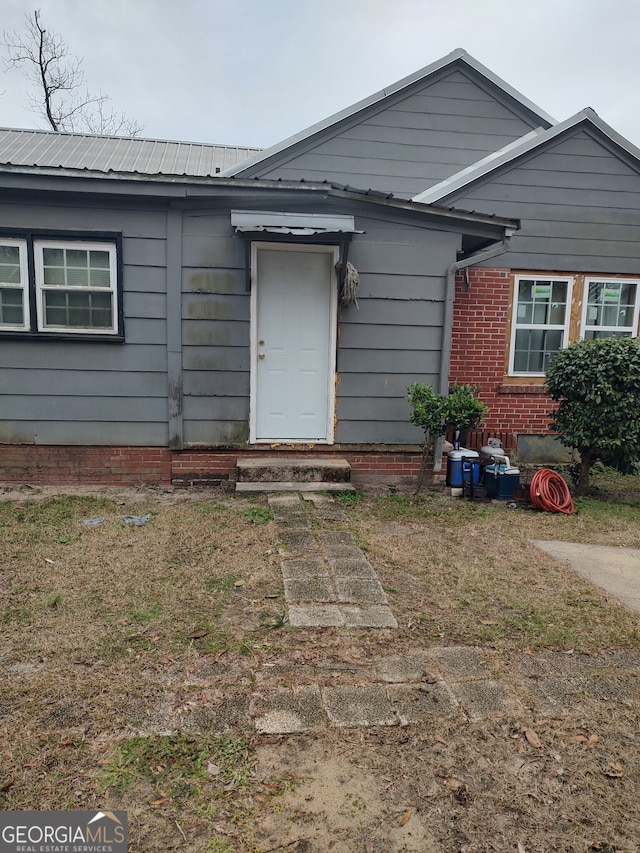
{"x": 41, "y": 288}
{"x": 515, "y": 326}
{"x": 620, "y": 330}
{"x": 23, "y": 286}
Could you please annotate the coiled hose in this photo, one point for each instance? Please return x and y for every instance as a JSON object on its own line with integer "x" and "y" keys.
{"x": 549, "y": 492}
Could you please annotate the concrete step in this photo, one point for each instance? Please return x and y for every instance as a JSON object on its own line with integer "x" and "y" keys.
{"x": 293, "y": 486}
{"x": 292, "y": 473}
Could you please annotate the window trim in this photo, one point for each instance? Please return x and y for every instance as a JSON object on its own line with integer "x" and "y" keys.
{"x": 41, "y": 288}
{"x": 31, "y": 238}
{"x": 515, "y": 326}
{"x": 600, "y": 279}
{"x": 21, "y": 245}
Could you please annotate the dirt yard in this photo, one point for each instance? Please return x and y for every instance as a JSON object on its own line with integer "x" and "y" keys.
{"x": 136, "y": 654}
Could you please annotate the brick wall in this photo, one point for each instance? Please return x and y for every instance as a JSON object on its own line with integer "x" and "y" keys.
{"x": 136, "y": 466}
{"x": 478, "y": 352}
{"x": 83, "y": 466}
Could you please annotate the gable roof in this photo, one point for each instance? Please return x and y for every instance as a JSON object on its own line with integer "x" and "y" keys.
{"x": 457, "y": 58}
{"x": 510, "y": 154}
{"x": 126, "y": 155}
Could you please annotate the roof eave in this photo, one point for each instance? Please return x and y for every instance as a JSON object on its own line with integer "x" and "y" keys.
{"x": 487, "y": 166}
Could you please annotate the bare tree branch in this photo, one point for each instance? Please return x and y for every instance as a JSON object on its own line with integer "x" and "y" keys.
{"x": 61, "y": 95}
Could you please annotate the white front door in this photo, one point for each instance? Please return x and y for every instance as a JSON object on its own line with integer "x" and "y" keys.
{"x": 293, "y": 337}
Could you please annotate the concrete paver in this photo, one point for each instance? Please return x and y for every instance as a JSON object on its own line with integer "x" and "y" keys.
{"x": 459, "y": 661}
{"x": 329, "y": 569}
{"x": 316, "y": 616}
{"x": 484, "y": 697}
{"x": 308, "y": 589}
{"x": 359, "y": 591}
{"x": 375, "y": 616}
{"x": 415, "y": 705}
{"x": 307, "y": 569}
{"x": 359, "y": 706}
{"x": 294, "y": 542}
{"x": 350, "y": 568}
{"x": 400, "y": 669}
{"x": 295, "y": 710}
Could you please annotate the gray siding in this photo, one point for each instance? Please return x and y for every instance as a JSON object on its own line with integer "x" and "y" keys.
{"x": 579, "y": 206}
{"x": 414, "y": 141}
{"x": 394, "y": 338}
{"x": 215, "y": 331}
{"x": 95, "y": 393}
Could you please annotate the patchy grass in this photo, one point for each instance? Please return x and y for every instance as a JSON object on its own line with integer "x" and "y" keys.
{"x": 467, "y": 572}
{"x": 127, "y": 651}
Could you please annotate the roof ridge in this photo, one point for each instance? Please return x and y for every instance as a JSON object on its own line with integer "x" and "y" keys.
{"x": 67, "y": 133}
{"x": 459, "y": 54}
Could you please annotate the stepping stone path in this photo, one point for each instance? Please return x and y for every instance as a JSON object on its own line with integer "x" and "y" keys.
{"x": 328, "y": 581}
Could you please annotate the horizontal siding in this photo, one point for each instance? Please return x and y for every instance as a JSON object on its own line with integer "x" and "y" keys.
{"x": 391, "y": 338}
{"x": 92, "y": 216}
{"x": 212, "y": 333}
{"x": 382, "y": 385}
{"x": 395, "y": 311}
{"x": 380, "y": 362}
{"x": 411, "y": 141}
{"x": 578, "y": 203}
{"x": 371, "y": 432}
{"x": 214, "y": 358}
{"x": 50, "y": 356}
{"x": 81, "y": 383}
{"x": 216, "y": 383}
{"x": 215, "y": 331}
{"x": 394, "y": 337}
{"x": 209, "y": 409}
{"x": 216, "y": 432}
{"x": 23, "y": 407}
{"x": 93, "y": 392}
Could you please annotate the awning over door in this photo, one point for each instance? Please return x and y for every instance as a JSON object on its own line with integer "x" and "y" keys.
{"x": 295, "y": 224}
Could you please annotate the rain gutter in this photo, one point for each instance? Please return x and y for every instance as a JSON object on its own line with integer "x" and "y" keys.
{"x": 481, "y": 255}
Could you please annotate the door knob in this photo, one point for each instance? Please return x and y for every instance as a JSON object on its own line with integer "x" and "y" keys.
{"x": 261, "y": 356}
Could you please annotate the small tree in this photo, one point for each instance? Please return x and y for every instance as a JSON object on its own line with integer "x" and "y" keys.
{"x": 61, "y": 95}
{"x": 427, "y": 412}
{"x": 598, "y": 385}
{"x": 436, "y": 413}
{"x": 462, "y": 410}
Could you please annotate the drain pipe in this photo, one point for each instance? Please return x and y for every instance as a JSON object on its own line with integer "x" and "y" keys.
{"x": 447, "y": 321}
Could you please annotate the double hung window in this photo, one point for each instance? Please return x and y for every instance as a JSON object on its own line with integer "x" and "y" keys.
{"x": 60, "y": 286}
{"x": 541, "y": 322}
{"x": 610, "y": 308}
{"x": 14, "y": 282}
{"x": 551, "y": 311}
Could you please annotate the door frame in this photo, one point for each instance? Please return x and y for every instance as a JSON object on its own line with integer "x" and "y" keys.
{"x": 332, "y": 331}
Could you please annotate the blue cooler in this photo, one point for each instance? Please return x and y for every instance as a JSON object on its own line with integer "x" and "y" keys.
{"x": 500, "y": 481}
{"x": 463, "y": 467}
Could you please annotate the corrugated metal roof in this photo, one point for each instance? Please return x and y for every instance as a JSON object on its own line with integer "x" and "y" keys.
{"x": 129, "y": 155}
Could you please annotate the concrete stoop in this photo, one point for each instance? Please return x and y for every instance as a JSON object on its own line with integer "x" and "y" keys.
{"x": 282, "y": 473}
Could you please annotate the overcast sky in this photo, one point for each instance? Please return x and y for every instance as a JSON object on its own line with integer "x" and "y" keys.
{"x": 252, "y": 72}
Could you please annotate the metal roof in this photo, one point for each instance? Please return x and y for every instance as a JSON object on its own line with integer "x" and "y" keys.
{"x": 458, "y": 56}
{"x": 128, "y": 155}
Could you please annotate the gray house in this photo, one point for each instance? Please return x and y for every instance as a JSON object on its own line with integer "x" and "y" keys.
{"x": 167, "y": 309}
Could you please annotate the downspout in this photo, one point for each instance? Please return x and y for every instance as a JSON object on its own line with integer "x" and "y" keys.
{"x": 447, "y": 321}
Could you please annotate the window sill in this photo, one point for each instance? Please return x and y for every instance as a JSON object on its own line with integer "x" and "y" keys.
{"x": 60, "y": 336}
{"x": 506, "y": 388}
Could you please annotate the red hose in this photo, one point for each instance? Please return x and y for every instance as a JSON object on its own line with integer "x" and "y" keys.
{"x": 550, "y": 492}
